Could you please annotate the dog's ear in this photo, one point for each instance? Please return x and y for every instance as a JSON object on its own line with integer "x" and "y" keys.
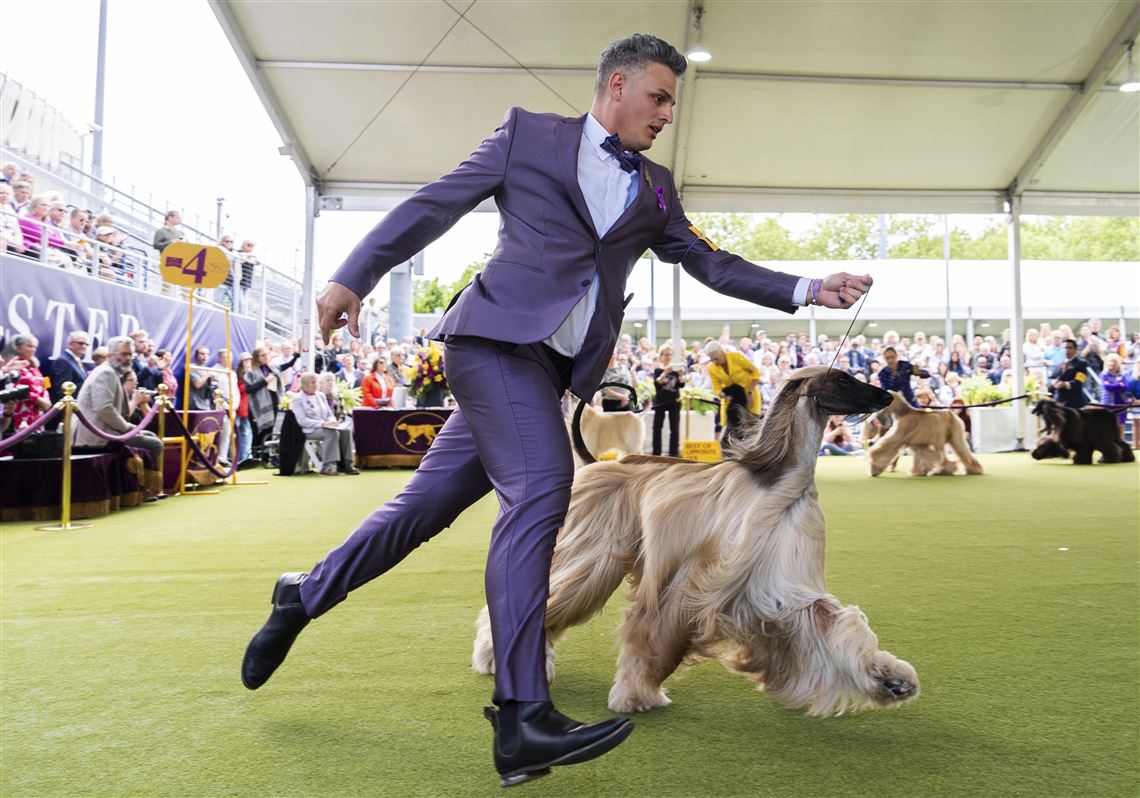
{"x": 791, "y": 386}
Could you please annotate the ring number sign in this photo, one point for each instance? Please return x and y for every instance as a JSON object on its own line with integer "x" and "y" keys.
{"x": 194, "y": 265}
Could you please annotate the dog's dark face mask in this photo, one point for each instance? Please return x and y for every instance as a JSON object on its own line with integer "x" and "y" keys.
{"x": 837, "y": 393}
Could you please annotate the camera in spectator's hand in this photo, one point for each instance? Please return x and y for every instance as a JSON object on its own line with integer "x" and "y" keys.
{"x": 16, "y": 393}
{"x": 147, "y": 392}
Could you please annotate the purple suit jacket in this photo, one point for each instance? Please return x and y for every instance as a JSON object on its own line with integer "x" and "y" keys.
{"x": 548, "y": 249}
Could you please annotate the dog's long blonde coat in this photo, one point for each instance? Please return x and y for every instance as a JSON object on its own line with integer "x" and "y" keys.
{"x": 726, "y": 560}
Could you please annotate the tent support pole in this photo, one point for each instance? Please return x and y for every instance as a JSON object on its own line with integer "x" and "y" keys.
{"x": 1017, "y": 323}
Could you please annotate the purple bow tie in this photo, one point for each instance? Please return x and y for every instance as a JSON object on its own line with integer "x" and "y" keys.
{"x": 630, "y": 161}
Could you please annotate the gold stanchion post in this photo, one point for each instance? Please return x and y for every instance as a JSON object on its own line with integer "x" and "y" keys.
{"x": 163, "y": 402}
{"x": 68, "y": 405}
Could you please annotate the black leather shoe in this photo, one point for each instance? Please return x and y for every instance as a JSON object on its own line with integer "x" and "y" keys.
{"x": 532, "y": 736}
{"x": 269, "y": 646}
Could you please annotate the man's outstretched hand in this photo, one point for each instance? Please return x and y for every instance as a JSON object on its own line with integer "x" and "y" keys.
{"x": 334, "y": 303}
{"x": 842, "y": 290}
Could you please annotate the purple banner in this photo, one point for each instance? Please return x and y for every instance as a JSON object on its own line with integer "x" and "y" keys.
{"x": 49, "y": 303}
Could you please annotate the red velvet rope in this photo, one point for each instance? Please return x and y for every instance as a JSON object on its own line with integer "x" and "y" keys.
{"x": 202, "y": 455}
{"x": 7, "y": 443}
{"x": 126, "y": 436}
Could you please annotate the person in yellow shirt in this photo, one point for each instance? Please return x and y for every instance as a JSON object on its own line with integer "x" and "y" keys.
{"x": 735, "y": 378}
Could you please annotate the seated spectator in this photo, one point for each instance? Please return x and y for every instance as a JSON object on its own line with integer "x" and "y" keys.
{"x": 68, "y": 367}
{"x": 837, "y": 438}
{"x": 9, "y": 172}
{"x": 348, "y": 372}
{"x": 21, "y": 197}
{"x": 169, "y": 232}
{"x": 35, "y": 227}
{"x": 105, "y": 404}
{"x": 396, "y": 366}
{"x": 138, "y": 401}
{"x": 327, "y": 387}
{"x": 77, "y": 237}
{"x": 318, "y": 423}
{"x": 111, "y": 261}
{"x": 21, "y": 363}
{"x": 11, "y": 238}
{"x": 376, "y": 387}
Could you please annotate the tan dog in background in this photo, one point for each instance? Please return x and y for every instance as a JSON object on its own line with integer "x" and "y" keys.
{"x": 927, "y": 433}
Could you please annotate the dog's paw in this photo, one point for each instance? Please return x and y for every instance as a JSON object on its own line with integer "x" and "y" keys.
{"x": 623, "y": 700}
{"x": 894, "y": 681}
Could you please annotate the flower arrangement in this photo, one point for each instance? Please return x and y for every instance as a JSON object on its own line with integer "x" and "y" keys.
{"x": 426, "y": 374}
{"x": 979, "y": 390}
{"x": 349, "y": 397}
{"x": 701, "y": 400}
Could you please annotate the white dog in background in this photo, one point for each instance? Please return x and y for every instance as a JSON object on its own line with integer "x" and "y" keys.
{"x": 602, "y": 432}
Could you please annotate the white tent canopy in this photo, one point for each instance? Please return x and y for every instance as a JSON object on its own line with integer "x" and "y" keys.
{"x": 932, "y": 106}
{"x": 807, "y": 105}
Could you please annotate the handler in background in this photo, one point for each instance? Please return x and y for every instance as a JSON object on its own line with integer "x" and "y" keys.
{"x": 736, "y": 380}
{"x": 1069, "y": 378}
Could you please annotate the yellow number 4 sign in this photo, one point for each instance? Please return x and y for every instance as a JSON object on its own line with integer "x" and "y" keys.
{"x": 194, "y": 265}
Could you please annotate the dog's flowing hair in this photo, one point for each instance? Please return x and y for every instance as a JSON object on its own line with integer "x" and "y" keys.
{"x": 726, "y": 560}
{"x": 927, "y": 433}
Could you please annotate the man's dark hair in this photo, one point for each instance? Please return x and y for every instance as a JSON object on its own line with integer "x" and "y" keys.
{"x": 1072, "y": 341}
{"x": 890, "y": 349}
{"x": 638, "y": 51}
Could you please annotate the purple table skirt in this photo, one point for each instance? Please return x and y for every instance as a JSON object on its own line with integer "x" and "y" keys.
{"x": 386, "y": 438}
{"x": 100, "y": 484}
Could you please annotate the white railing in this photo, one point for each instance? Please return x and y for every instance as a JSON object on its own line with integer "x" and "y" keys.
{"x": 271, "y": 297}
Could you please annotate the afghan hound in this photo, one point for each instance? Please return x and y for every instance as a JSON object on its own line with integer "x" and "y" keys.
{"x": 927, "y": 433}
{"x": 1084, "y": 431}
{"x": 726, "y": 561}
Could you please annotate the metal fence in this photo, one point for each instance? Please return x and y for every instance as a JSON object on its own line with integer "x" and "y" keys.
{"x": 272, "y": 297}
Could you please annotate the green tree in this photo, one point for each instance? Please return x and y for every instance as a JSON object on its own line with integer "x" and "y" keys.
{"x": 751, "y": 236}
{"x": 430, "y": 294}
{"x": 427, "y": 295}
{"x": 851, "y": 236}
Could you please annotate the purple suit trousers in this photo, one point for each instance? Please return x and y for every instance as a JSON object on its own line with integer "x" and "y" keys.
{"x": 507, "y": 435}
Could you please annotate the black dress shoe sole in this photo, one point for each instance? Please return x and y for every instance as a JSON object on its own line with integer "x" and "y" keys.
{"x": 586, "y": 753}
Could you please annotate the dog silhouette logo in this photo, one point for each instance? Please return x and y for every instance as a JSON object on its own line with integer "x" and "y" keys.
{"x": 416, "y": 432}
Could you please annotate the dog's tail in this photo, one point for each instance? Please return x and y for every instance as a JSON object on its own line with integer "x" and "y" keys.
{"x": 576, "y": 425}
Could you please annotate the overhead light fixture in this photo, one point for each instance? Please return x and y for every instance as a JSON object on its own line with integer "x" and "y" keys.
{"x": 697, "y": 53}
{"x": 1130, "y": 84}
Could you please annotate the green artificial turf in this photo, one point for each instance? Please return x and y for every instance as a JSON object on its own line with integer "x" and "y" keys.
{"x": 121, "y": 647}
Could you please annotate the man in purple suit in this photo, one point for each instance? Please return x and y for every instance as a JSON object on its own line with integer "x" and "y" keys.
{"x": 578, "y": 207}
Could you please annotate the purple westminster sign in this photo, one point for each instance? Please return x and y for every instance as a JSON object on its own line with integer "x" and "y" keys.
{"x": 49, "y": 302}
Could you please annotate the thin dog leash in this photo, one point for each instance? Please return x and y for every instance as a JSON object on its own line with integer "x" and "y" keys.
{"x": 850, "y": 327}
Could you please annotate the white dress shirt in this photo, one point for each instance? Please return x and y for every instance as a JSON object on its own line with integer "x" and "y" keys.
{"x": 608, "y": 190}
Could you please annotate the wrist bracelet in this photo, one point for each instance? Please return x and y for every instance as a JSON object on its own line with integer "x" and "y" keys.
{"x": 814, "y": 287}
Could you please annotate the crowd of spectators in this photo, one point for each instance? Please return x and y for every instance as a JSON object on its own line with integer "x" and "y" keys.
{"x": 45, "y": 226}
{"x": 926, "y": 370}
